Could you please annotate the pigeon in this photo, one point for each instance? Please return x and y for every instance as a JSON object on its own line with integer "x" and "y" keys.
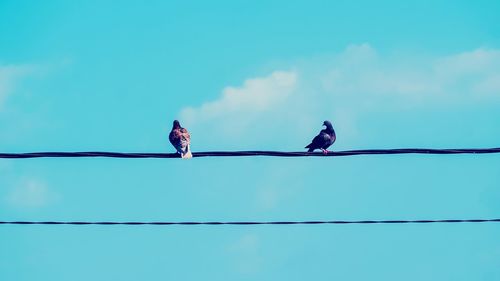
{"x": 324, "y": 139}
{"x": 180, "y": 139}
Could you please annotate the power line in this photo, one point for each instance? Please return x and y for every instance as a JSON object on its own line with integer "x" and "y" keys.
{"x": 191, "y": 223}
{"x": 251, "y": 153}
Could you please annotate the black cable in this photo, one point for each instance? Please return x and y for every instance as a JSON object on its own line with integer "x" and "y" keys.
{"x": 251, "y": 153}
{"x": 250, "y": 222}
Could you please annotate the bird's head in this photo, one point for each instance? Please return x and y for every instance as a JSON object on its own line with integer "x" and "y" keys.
{"x": 328, "y": 125}
{"x": 176, "y": 124}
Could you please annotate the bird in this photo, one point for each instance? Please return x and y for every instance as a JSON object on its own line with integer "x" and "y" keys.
{"x": 324, "y": 139}
{"x": 179, "y": 137}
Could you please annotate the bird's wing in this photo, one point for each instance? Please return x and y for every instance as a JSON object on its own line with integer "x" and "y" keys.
{"x": 331, "y": 139}
{"x": 172, "y": 137}
{"x": 185, "y": 135}
{"x": 175, "y": 138}
{"x": 318, "y": 141}
{"x": 185, "y": 138}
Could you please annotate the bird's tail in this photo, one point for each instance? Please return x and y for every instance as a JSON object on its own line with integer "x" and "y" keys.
{"x": 310, "y": 147}
{"x": 187, "y": 154}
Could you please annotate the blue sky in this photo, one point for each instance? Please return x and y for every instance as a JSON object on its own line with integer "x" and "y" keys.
{"x": 111, "y": 76}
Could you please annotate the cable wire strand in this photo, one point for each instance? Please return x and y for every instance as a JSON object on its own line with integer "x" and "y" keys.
{"x": 250, "y": 153}
{"x": 214, "y": 223}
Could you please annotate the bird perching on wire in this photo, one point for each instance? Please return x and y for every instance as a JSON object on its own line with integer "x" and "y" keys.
{"x": 179, "y": 137}
{"x": 324, "y": 139}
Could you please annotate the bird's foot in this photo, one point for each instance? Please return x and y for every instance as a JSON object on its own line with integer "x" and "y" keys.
{"x": 325, "y": 151}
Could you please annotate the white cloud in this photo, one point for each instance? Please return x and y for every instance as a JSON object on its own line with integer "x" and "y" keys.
{"x": 31, "y": 193}
{"x": 9, "y": 75}
{"x": 342, "y": 88}
{"x": 256, "y": 95}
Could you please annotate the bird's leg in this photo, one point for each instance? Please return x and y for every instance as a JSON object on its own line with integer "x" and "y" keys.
{"x": 325, "y": 151}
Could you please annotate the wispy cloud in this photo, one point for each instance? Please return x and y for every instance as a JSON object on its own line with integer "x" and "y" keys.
{"x": 275, "y": 187}
{"x": 9, "y": 76}
{"x": 342, "y": 87}
{"x": 382, "y": 82}
{"x": 31, "y": 193}
{"x": 246, "y": 254}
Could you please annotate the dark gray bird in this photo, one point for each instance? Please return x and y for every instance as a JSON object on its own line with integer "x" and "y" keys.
{"x": 324, "y": 139}
{"x": 179, "y": 137}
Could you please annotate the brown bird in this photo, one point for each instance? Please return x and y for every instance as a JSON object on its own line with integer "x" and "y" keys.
{"x": 180, "y": 139}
